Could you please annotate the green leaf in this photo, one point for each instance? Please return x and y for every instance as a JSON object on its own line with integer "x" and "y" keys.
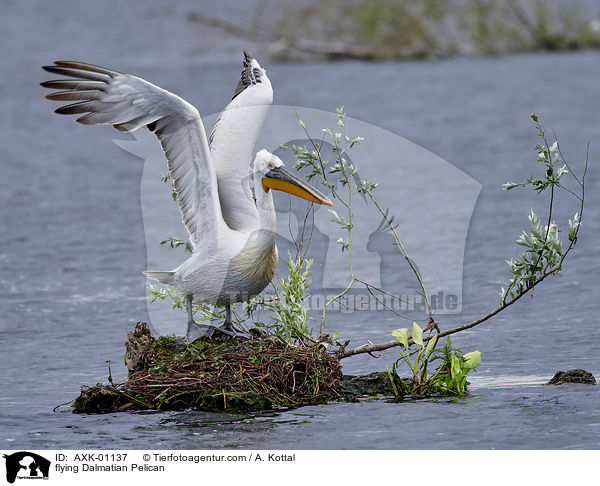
{"x": 402, "y": 336}
{"x": 455, "y": 368}
{"x": 472, "y": 360}
{"x": 431, "y": 346}
{"x": 417, "y": 367}
{"x": 510, "y": 185}
{"x": 417, "y": 334}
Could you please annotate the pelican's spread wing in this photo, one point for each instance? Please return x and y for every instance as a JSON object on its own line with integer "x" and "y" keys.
{"x": 128, "y": 103}
{"x": 232, "y": 144}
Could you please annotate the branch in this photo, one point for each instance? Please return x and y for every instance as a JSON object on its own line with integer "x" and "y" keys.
{"x": 329, "y": 49}
{"x": 311, "y": 46}
{"x": 370, "y": 348}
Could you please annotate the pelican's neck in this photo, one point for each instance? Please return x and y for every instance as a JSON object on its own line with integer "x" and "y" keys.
{"x": 266, "y": 208}
{"x": 258, "y": 259}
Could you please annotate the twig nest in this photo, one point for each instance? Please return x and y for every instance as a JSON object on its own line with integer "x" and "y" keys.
{"x": 225, "y": 374}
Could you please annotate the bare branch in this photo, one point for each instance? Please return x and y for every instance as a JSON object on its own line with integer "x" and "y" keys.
{"x": 405, "y": 254}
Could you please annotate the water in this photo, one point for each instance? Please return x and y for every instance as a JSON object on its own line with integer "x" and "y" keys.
{"x": 72, "y": 240}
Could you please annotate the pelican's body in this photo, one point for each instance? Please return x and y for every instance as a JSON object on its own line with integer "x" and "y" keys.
{"x": 237, "y": 271}
{"x": 233, "y": 234}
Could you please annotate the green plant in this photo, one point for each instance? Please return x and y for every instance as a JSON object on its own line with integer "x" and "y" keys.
{"x": 544, "y": 253}
{"x": 451, "y": 376}
{"x": 449, "y": 379}
{"x": 290, "y": 321}
{"x": 419, "y": 365}
{"x": 202, "y": 311}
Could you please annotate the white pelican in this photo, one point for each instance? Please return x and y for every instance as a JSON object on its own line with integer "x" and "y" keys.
{"x": 233, "y": 234}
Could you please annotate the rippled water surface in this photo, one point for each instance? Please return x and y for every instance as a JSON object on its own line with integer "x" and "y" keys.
{"x": 72, "y": 241}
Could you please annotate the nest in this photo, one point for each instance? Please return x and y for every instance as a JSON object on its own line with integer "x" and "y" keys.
{"x": 229, "y": 375}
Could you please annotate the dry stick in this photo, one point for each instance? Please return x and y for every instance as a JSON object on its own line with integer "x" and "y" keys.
{"x": 567, "y": 163}
{"x": 405, "y": 254}
{"x": 312, "y": 229}
{"x": 370, "y": 348}
{"x": 368, "y": 287}
{"x": 377, "y": 289}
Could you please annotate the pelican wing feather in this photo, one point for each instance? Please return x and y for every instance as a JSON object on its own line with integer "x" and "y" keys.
{"x": 127, "y": 102}
{"x": 232, "y": 143}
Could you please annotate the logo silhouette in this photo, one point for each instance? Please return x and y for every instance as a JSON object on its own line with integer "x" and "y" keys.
{"x": 28, "y": 464}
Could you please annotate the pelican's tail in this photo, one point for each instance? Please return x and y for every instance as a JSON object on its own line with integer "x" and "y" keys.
{"x": 162, "y": 277}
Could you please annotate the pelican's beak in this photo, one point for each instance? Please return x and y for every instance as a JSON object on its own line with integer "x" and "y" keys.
{"x": 281, "y": 179}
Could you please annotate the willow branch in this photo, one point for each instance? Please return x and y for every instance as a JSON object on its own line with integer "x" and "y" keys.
{"x": 370, "y": 348}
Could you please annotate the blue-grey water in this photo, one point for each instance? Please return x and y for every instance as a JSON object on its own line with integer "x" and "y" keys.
{"x": 72, "y": 241}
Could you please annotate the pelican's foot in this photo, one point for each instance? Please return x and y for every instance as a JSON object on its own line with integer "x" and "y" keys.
{"x": 197, "y": 331}
{"x": 229, "y": 329}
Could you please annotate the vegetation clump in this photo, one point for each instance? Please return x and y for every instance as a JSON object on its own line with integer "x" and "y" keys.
{"x": 572, "y": 376}
{"x": 229, "y": 374}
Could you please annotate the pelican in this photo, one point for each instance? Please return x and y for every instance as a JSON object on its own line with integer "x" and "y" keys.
{"x": 231, "y": 228}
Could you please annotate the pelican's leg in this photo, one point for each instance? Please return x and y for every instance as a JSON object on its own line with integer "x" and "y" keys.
{"x": 195, "y": 330}
{"x": 228, "y": 327}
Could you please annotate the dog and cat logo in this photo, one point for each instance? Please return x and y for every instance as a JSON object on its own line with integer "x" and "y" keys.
{"x": 26, "y": 465}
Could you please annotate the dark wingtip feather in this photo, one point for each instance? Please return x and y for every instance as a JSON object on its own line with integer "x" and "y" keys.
{"x": 85, "y": 119}
{"x": 76, "y": 84}
{"x": 86, "y": 66}
{"x": 61, "y": 111}
{"x": 79, "y": 72}
{"x": 74, "y": 108}
{"x": 249, "y": 77}
{"x": 73, "y": 95}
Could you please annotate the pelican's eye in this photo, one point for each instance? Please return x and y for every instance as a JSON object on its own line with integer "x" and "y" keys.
{"x": 271, "y": 165}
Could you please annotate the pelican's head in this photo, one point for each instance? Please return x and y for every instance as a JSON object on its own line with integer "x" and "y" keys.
{"x": 276, "y": 176}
